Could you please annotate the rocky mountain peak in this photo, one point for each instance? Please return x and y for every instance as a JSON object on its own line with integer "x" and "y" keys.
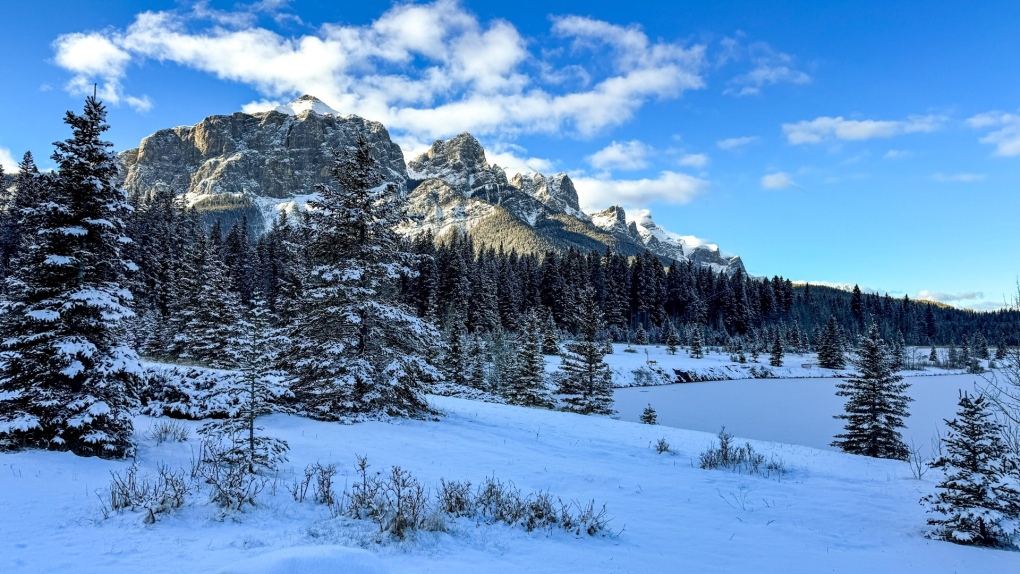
{"x": 460, "y": 162}
{"x": 557, "y": 191}
{"x": 306, "y": 103}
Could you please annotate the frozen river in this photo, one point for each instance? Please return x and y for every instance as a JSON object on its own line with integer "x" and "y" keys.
{"x": 795, "y": 411}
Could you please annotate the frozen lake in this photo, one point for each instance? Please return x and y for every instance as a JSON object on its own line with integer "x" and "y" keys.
{"x": 794, "y": 411}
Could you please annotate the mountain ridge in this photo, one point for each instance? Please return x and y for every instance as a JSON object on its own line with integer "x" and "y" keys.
{"x": 255, "y": 164}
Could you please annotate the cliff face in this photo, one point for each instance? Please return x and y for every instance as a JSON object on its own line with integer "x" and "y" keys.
{"x": 241, "y": 159}
{"x": 255, "y": 164}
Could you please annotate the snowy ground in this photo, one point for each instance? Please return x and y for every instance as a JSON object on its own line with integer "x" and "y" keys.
{"x": 833, "y": 513}
{"x": 626, "y": 359}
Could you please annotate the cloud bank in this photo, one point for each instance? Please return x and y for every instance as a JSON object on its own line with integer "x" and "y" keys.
{"x": 825, "y": 129}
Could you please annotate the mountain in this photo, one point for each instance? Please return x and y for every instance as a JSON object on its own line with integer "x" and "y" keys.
{"x": 254, "y": 164}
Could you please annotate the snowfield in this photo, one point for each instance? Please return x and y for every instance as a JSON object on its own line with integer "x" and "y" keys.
{"x": 832, "y": 512}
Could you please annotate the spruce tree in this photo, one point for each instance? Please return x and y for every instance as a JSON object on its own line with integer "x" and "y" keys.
{"x": 975, "y": 500}
{"x": 830, "y": 346}
{"x": 550, "y": 336}
{"x": 697, "y": 351}
{"x": 672, "y": 339}
{"x": 649, "y": 416}
{"x": 253, "y": 352}
{"x": 67, "y": 376}
{"x": 876, "y": 404}
{"x": 1000, "y": 351}
{"x": 526, "y": 386}
{"x": 776, "y": 357}
{"x": 585, "y": 382}
{"x": 641, "y": 336}
{"x": 360, "y": 351}
{"x": 933, "y": 356}
{"x": 456, "y": 365}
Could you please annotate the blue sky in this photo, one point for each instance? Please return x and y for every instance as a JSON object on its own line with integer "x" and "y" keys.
{"x": 849, "y": 142}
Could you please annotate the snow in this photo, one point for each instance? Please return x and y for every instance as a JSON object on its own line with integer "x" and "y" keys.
{"x": 833, "y": 512}
{"x": 306, "y": 104}
{"x": 307, "y": 559}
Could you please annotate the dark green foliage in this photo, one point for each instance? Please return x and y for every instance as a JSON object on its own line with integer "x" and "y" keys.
{"x": 876, "y": 404}
{"x": 776, "y": 356}
{"x": 649, "y": 416}
{"x": 585, "y": 382}
{"x": 526, "y": 385}
{"x": 830, "y": 347}
{"x": 974, "y": 497}
{"x": 67, "y": 375}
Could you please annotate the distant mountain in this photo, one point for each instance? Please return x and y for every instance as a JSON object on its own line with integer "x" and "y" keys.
{"x": 255, "y": 164}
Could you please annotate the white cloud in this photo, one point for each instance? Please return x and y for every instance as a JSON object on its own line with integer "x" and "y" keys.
{"x": 695, "y": 160}
{"x": 958, "y": 177}
{"x": 7, "y": 160}
{"x": 770, "y": 67}
{"x": 621, "y": 155}
{"x": 734, "y": 143}
{"x": 671, "y": 187}
{"x": 426, "y": 70}
{"x": 827, "y": 128}
{"x": 898, "y": 154}
{"x": 1006, "y": 138}
{"x": 778, "y": 180}
{"x": 926, "y": 295}
{"x": 513, "y": 160}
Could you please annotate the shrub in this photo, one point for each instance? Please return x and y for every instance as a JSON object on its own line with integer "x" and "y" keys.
{"x": 165, "y": 431}
{"x": 662, "y": 446}
{"x": 740, "y": 458}
{"x": 159, "y": 494}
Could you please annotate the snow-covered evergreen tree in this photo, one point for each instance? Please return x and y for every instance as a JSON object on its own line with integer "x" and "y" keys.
{"x": 697, "y": 350}
{"x": 649, "y": 416}
{"x": 360, "y": 351}
{"x": 585, "y": 382}
{"x": 253, "y": 351}
{"x": 672, "y": 339}
{"x": 641, "y": 336}
{"x": 975, "y": 502}
{"x": 456, "y": 363}
{"x": 933, "y": 356}
{"x": 67, "y": 375}
{"x": 830, "y": 347}
{"x": 526, "y": 387}
{"x": 876, "y": 404}
{"x": 550, "y": 336}
{"x": 776, "y": 356}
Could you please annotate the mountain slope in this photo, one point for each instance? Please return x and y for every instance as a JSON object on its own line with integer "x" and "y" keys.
{"x": 255, "y": 164}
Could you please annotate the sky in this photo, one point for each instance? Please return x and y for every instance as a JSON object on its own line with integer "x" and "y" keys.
{"x": 870, "y": 143}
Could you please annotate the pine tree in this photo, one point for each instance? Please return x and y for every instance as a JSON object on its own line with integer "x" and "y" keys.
{"x": 897, "y": 353}
{"x": 253, "y": 351}
{"x": 980, "y": 346}
{"x": 649, "y": 416}
{"x": 974, "y": 497}
{"x": 586, "y": 383}
{"x": 876, "y": 404}
{"x": 965, "y": 354}
{"x": 641, "y": 336}
{"x": 933, "y": 356}
{"x": 776, "y": 357}
{"x": 1000, "y": 351}
{"x": 697, "y": 351}
{"x": 360, "y": 352}
{"x": 550, "y": 336}
{"x": 67, "y": 376}
{"x": 672, "y": 339}
{"x": 830, "y": 347}
{"x": 526, "y": 386}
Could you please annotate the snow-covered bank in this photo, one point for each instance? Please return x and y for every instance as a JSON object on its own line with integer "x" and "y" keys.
{"x": 649, "y": 365}
{"x": 834, "y": 512}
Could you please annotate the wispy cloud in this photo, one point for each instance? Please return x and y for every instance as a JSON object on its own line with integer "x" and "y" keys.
{"x": 425, "y": 70}
{"x": 778, "y": 180}
{"x": 734, "y": 143}
{"x": 1005, "y": 135}
{"x": 958, "y": 177}
{"x": 695, "y": 160}
{"x": 669, "y": 187}
{"x": 898, "y": 154}
{"x": 771, "y": 67}
{"x": 825, "y": 128}
{"x": 621, "y": 155}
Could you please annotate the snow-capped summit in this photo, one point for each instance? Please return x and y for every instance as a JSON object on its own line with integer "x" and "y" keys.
{"x": 304, "y": 104}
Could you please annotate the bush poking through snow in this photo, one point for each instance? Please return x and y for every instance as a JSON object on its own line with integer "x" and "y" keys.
{"x": 169, "y": 431}
{"x": 662, "y": 446}
{"x": 232, "y": 481}
{"x": 400, "y": 505}
{"x": 159, "y": 494}
{"x": 740, "y": 458}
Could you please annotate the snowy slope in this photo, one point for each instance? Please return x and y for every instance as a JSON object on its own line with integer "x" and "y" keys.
{"x": 832, "y": 513}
